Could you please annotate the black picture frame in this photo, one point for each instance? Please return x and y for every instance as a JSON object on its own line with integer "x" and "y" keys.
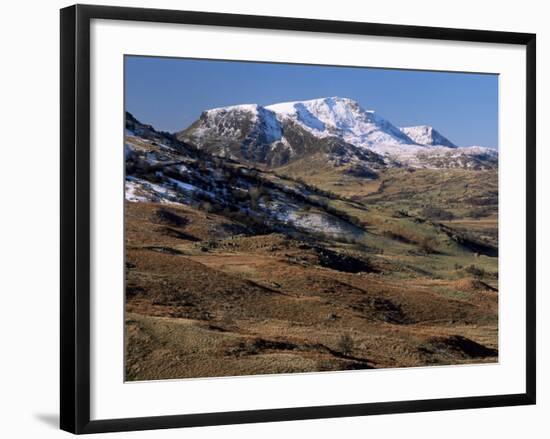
{"x": 75, "y": 218}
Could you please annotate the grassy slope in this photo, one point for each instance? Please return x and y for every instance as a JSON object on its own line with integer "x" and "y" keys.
{"x": 204, "y": 302}
{"x": 399, "y": 199}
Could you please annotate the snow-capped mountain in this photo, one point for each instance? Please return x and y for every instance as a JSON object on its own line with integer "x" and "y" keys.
{"x": 279, "y": 134}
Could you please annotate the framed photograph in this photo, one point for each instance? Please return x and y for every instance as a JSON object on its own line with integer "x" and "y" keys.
{"x": 268, "y": 219}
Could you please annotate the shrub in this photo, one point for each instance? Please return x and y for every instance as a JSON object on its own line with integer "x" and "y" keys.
{"x": 481, "y": 212}
{"x": 437, "y": 213}
{"x": 475, "y": 270}
{"x": 346, "y": 344}
{"x": 397, "y": 234}
{"x": 207, "y": 207}
{"x": 401, "y": 213}
{"x": 427, "y": 244}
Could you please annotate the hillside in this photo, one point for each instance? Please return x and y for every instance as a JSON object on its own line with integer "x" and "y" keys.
{"x": 234, "y": 268}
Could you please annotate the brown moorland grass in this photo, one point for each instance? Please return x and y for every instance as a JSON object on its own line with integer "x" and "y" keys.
{"x": 207, "y": 299}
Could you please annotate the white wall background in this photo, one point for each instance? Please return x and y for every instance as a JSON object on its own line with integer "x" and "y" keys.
{"x": 29, "y": 186}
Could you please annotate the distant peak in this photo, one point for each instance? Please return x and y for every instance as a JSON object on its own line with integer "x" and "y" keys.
{"x": 427, "y": 135}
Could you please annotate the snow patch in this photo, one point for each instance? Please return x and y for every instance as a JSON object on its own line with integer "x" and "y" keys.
{"x": 183, "y": 186}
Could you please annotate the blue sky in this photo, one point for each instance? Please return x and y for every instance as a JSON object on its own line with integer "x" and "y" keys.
{"x": 170, "y": 93}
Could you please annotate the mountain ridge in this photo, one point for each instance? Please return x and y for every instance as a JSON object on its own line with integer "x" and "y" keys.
{"x": 278, "y": 134}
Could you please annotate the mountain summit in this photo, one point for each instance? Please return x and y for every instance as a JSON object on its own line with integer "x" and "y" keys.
{"x": 341, "y": 117}
{"x": 280, "y": 134}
